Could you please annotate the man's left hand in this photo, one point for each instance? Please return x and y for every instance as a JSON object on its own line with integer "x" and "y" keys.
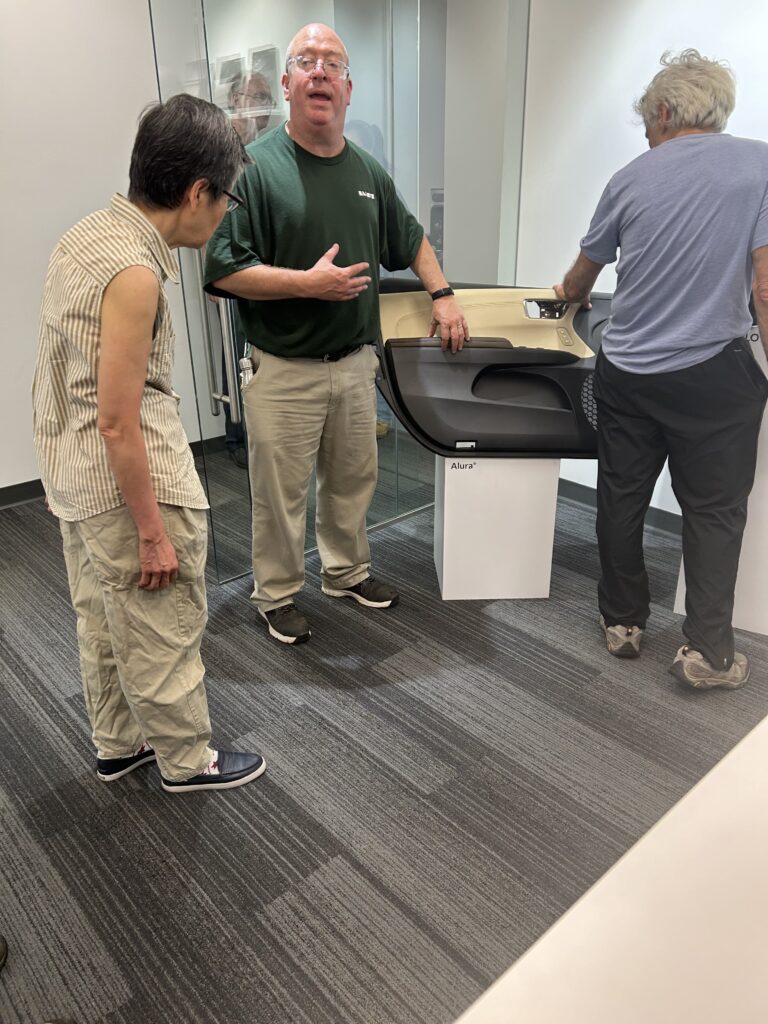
{"x": 448, "y": 319}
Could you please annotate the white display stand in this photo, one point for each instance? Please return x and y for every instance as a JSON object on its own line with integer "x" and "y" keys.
{"x": 494, "y": 526}
{"x": 750, "y": 609}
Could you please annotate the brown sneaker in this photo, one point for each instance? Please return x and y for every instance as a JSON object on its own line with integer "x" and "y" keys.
{"x": 694, "y": 670}
{"x": 622, "y": 641}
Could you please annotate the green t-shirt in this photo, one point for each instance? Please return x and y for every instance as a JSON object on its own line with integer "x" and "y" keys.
{"x": 296, "y": 206}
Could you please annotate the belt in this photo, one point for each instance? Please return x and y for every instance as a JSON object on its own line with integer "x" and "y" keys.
{"x": 334, "y": 357}
{"x": 329, "y": 357}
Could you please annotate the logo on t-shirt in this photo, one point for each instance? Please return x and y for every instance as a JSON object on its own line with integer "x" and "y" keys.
{"x": 366, "y": 195}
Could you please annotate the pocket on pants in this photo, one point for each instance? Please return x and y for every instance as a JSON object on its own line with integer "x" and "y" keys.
{"x": 758, "y": 377}
{"x": 187, "y": 530}
{"x": 256, "y": 357}
{"x": 191, "y": 610}
{"x": 750, "y": 368}
{"x": 373, "y": 360}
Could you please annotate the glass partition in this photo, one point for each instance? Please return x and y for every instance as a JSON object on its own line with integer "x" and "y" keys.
{"x": 233, "y": 52}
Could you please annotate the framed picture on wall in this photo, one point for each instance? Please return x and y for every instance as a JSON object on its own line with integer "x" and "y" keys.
{"x": 226, "y": 72}
{"x": 265, "y": 61}
{"x": 260, "y": 97}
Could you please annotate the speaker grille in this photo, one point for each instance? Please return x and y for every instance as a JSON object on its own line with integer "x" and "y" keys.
{"x": 588, "y": 403}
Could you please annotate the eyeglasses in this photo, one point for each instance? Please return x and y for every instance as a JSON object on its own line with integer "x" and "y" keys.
{"x": 233, "y": 201}
{"x": 331, "y": 68}
{"x": 258, "y": 99}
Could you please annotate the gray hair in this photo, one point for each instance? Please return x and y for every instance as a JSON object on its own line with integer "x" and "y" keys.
{"x": 699, "y": 93}
{"x": 180, "y": 141}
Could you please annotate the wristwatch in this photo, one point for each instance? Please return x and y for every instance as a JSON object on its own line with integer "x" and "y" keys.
{"x": 441, "y": 293}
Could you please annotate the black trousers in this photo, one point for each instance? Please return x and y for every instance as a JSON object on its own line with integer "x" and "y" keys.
{"x": 706, "y": 420}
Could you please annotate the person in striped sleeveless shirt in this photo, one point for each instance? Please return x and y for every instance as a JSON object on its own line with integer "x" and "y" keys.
{"x": 115, "y": 462}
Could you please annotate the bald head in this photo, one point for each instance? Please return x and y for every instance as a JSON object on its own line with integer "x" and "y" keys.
{"x": 314, "y": 35}
{"x": 318, "y": 90}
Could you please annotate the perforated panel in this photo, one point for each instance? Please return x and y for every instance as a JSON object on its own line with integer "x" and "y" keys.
{"x": 588, "y": 403}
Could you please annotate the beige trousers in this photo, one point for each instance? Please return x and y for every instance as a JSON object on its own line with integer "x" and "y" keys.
{"x": 304, "y": 414}
{"x": 139, "y": 649}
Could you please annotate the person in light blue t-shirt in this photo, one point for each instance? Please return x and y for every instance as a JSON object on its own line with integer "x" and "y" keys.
{"x": 675, "y": 378}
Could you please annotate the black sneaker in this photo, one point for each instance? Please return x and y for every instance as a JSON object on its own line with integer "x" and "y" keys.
{"x": 228, "y": 770}
{"x": 370, "y": 592}
{"x": 287, "y": 624}
{"x": 239, "y": 456}
{"x": 110, "y": 768}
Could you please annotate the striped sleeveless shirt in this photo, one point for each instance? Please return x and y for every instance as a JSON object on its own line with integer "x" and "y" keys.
{"x": 71, "y": 454}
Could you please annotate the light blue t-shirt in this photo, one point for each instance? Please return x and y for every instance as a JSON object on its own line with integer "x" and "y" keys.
{"x": 687, "y": 216}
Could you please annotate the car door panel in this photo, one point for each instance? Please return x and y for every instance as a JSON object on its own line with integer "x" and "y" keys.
{"x": 521, "y": 387}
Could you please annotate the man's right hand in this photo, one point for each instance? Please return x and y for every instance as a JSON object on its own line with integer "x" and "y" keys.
{"x": 159, "y": 564}
{"x": 335, "y": 284}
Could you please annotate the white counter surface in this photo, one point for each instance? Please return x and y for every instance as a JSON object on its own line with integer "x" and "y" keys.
{"x": 675, "y": 932}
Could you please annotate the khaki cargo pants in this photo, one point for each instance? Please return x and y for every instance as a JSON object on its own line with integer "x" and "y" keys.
{"x": 139, "y": 649}
{"x": 305, "y": 414}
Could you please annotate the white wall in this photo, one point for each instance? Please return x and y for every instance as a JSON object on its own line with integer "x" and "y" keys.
{"x": 512, "y": 159}
{"x": 73, "y": 80}
{"x": 484, "y": 89}
{"x": 475, "y": 104}
{"x": 587, "y": 62}
{"x": 431, "y": 105}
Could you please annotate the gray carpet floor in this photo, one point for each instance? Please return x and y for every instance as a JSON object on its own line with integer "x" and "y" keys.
{"x": 444, "y": 780}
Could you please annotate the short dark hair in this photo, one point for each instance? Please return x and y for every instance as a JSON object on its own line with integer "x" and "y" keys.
{"x": 179, "y": 142}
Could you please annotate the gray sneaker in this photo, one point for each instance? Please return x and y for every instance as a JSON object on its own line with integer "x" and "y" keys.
{"x": 622, "y": 641}
{"x": 370, "y": 592}
{"x": 694, "y": 670}
{"x": 287, "y": 624}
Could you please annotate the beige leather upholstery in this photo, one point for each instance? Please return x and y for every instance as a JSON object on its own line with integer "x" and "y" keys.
{"x": 490, "y": 313}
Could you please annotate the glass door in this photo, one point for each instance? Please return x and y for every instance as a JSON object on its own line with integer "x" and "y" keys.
{"x": 233, "y": 53}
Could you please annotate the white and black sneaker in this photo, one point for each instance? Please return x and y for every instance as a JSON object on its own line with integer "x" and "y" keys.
{"x": 287, "y": 624}
{"x": 227, "y": 769}
{"x": 110, "y": 768}
{"x": 369, "y": 592}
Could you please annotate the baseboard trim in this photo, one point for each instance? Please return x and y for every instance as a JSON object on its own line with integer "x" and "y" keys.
{"x": 19, "y": 494}
{"x": 659, "y": 518}
{"x": 208, "y": 447}
{"x": 31, "y": 490}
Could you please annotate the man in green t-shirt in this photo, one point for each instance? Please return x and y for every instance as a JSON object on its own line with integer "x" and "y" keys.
{"x": 312, "y": 198}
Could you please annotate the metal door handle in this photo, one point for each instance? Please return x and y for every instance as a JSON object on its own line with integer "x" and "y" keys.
{"x": 207, "y": 340}
{"x": 228, "y": 334}
{"x": 545, "y": 309}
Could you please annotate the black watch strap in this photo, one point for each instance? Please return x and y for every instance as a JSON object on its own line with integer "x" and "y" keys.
{"x": 441, "y": 293}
